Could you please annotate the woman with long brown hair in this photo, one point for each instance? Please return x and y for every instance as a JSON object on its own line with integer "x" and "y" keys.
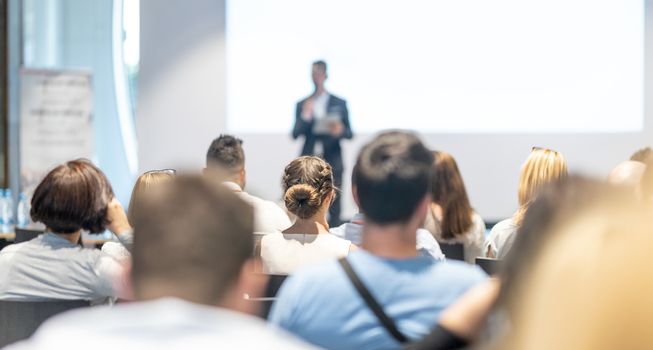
{"x": 451, "y": 218}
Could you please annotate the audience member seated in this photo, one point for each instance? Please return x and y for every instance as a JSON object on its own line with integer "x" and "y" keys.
{"x": 145, "y": 183}
{"x": 542, "y": 166}
{"x": 75, "y": 196}
{"x": 309, "y": 191}
{"x": 321, "y": 304}
{"x": 451, "y": 218}
{"x": 353, "y": 231}
{"x": 191, "y": 263}
{"x": 225, "y": 159}
{"x": 590, "y": 286}
{"x": 556, "y": 203}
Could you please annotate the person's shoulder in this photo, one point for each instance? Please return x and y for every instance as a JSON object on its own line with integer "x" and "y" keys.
{"x": 303, "y": 99}
{"x": 270, "y": 237}
{"x": 82, "y": 325}
{"x": 478, "y": 228}
{"x": 477, "y": 219}
{"x": 78, "y": 320}
{"x": 339, "y": 231}
{"x": 459, "y": 270}
{"x": 337, "y": 99}
{"x": 12, "y": 248}
{"x": 116, "y": 251}
{"x": 259, "y": 201}
{"x": 272, "y": 206}
{"x": 504, "y": 225}
{"x": 425, "y": 234}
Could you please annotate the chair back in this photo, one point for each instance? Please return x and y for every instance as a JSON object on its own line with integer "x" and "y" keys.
{"x": 270, "y": 294}
{"x": 24, "y": 235}
{"x": 274, "y": 284}
{"x": 490, "y": 266}
{"x": 20, "y": 319}
{"x": 453, "y": 251}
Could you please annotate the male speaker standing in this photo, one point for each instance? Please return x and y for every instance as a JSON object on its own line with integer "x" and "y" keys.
{"x": 323, "y": 119}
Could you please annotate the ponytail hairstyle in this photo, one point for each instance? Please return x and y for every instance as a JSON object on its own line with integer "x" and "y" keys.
{"x": 307, "y": 182}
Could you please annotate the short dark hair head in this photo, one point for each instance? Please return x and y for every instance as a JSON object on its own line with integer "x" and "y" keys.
{"x": 191, "y": 240}
{"x": 391, "y": 177}
{"x": 306, "y": 183}
{"x": 644, "y": 155}
{"x": 71, "y": 197}
{"x": 322, "y": 64}
{"x": 226, "y": 152}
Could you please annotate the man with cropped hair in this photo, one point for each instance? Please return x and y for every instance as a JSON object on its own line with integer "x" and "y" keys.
{"x": 225, "y": 159}
{"x": 332, "y": 305}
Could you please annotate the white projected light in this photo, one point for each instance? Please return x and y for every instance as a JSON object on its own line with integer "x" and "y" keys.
{"x": 442, "y": 66}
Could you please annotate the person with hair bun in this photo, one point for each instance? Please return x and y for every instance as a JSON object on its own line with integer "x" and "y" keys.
{"x": 309, "y": 191}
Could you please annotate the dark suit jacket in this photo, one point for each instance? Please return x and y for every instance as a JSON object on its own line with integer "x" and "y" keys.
{"x": 330, "y": 144}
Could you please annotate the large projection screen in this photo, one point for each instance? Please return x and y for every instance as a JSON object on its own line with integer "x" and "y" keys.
{"x": 465, "y": 66}
{"x": 201, "y": 87}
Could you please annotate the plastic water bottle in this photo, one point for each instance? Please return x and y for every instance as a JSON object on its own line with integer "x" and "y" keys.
{"x": 22, "y": 212}
{"x": 6, "y": 211}
{"x": 3, "y": 204}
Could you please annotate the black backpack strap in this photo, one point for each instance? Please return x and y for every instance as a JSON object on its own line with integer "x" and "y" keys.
{"x": 386, "y": 321}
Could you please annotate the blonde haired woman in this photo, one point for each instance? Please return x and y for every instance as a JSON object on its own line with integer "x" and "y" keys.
{"x": 309, "y": 192}
{"x": 542, "y": 167}
{"x": 590, "y": 286}
{"x": 144, "y": 184}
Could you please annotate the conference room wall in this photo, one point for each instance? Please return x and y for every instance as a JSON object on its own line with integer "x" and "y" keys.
{"x": 181, "y": 108}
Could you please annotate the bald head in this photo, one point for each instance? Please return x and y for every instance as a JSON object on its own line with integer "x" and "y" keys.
{"x": 628, "y": 173}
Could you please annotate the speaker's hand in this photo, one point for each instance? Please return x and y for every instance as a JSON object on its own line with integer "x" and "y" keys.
{"x": 336, "y": 129}
{"x": 307, "y": 109}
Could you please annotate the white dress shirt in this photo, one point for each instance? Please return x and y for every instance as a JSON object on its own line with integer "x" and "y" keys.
{"x": 353, "y": 231}
{"x": 160, "y": 324}
{"x": 268, "y": 216}
{"x": 320, "y": 104}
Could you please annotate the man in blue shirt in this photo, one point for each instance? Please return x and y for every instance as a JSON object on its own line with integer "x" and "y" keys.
{"x": 320, "y": 303}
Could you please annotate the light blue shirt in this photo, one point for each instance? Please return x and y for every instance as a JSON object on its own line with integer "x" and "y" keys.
{"x": 353, "y": 231}
{"x": 321, "y": 305}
